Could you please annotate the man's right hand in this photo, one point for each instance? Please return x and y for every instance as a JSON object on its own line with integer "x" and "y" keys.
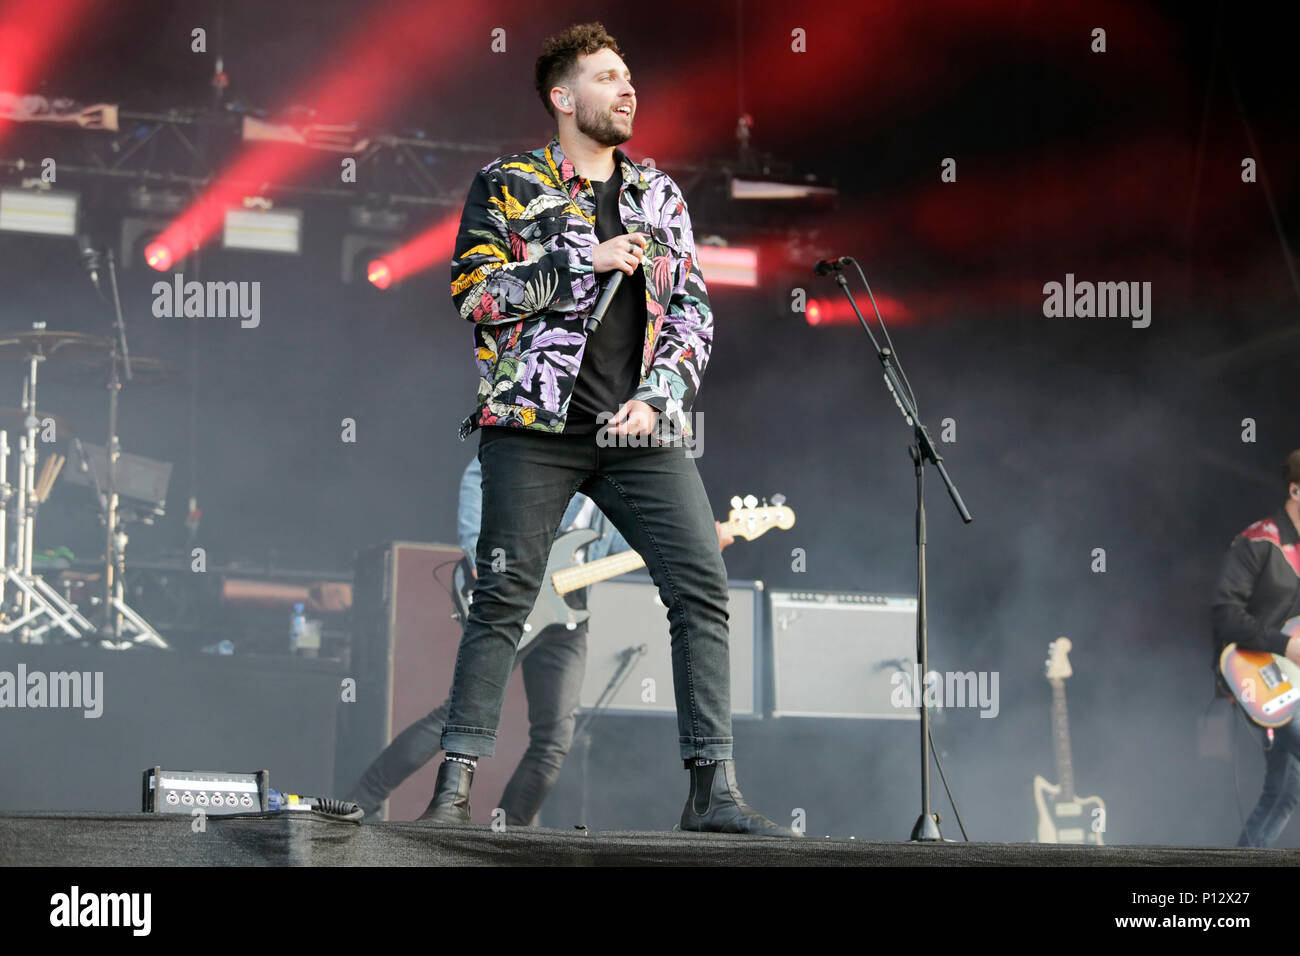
{"x": 623, "y": 253}
{"x": 1293, "y": 649}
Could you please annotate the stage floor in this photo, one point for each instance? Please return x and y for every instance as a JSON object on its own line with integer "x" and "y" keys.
{"x": 301, "y": 839}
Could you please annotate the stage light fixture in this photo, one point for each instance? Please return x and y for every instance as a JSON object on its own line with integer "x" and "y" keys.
{"x": 379, "y": 274}
{"x": 159, "y": 201}
{"x": 774, "y": 188}
{"x": 813, "y": 312}
{"x": 42, "y": 212}
{"x": 261, "y": 228}
{"x": 727, "y": 265}
{"x": 364, "y": 251}
{"x": 159, "y": 256}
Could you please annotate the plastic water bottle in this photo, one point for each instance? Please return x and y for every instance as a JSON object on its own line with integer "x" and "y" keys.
{"x": 296, "y": 625}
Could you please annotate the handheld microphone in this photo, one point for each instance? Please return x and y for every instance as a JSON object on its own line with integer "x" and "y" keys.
{"x": 89, "y": 258}
{"x": 827, "y": 266}
{"x": 602, "y": 304}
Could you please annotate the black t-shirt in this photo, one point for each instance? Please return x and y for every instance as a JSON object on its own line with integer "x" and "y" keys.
{"x": 611, "y": 364}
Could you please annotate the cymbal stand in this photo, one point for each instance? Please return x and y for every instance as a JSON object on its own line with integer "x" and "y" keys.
{"x": 6, "y": 492}
{"x": 40, "y": 607}
{"x": 120, "y": 618}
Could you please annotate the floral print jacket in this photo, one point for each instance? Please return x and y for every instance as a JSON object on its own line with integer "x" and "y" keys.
{"x": 522, "y": 274}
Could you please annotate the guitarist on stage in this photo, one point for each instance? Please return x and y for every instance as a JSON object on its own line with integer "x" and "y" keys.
{"x": 553, "y": 670}
{"x": 1259, "y": 589}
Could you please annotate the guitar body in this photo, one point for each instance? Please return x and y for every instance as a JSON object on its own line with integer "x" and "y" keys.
{"x": 1067, "y": 821}
{"x": 1267, "y": 686}
{"x": 550, "y": 606}
{"x": 1063, "y": 816}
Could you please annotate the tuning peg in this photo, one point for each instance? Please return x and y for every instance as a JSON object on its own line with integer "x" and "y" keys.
{"x": 778, "y": 499}
{"x": 736, "y": 502}
{"x": 750, "y": 501}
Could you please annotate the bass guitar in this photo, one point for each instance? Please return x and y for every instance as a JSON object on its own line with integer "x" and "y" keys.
{"x": 563, "y": 574}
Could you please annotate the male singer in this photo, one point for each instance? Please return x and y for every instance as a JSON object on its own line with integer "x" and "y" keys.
{"x": 568, "y": 405}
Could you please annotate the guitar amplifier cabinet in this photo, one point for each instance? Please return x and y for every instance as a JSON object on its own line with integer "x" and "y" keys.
{"x": 835, "y": 654}
{"x": 626, "y": 613}
{"x": 403, "y": 655}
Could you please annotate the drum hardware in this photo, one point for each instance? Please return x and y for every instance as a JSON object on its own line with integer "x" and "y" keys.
{"x": 142, "y": 493}
{"x": 120, "y": 620}
{"x": 94, "y": 370}
{"x": 36, "y": 607}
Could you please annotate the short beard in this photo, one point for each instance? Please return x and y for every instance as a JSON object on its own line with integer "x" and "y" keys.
{"x": 599, "y": 128}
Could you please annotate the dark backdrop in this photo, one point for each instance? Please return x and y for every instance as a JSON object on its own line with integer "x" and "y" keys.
{"x": 1072, "y": 435}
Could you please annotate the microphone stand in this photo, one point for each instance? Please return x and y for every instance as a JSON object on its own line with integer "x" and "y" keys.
{"x": 116, "y": 611}
{"x": 114, "y": 566}
{"x": 582, "y": 735}
{"x": 922, "y": 450}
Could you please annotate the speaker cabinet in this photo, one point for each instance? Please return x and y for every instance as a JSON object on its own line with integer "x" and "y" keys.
{"x": 404, "y": 654}
{"x": 837, "y": 654}
{"x": 626, "y": 613}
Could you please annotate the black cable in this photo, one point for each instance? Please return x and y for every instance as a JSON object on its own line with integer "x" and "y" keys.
{"x": 946, "y": 789}
{"x": 342, "y": 809}
{"x": 1236, "y": 783}
{"x": 447, "y": 586}
{"x": 898, "y": 362}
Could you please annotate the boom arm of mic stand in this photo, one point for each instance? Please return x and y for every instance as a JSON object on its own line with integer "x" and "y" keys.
{"x": 615, "y": 684}
{"x": 118, "y": 325}
{"x": 903, "y": 399}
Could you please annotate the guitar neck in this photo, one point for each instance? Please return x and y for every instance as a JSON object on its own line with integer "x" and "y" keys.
{"x": 583, "y": 575}
{"x": 1061, "y": 740}
{"x": 612, "y": 566}
{"x": 593, "y": 572}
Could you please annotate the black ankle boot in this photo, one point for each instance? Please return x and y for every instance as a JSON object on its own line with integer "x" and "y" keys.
{"x": 716, "y": 805}
{"x": 450, "y": 803}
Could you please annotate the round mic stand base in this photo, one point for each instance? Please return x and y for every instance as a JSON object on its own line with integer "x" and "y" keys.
{"x": 927, "y": 829}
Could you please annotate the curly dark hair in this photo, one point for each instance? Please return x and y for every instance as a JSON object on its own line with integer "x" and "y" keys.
{"x": 559, "y": 59}
{"x": 1291, "y": 471}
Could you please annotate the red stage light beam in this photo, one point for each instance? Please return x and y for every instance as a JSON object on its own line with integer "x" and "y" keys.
{"x": 819, "y": 312}
{"x": 401, "y": 47}
{"x": 30, "y": 34}
{"x": 432, "y": 247}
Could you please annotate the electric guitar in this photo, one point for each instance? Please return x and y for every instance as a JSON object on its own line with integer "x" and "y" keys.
{"x": 1064, "y": 817}
{"x": 1266, "y": 685}
{"x": 563, "y": 574}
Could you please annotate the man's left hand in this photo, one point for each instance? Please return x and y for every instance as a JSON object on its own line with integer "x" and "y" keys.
{"x": 725, "y": 537}
{"x": 634, "y": 417}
